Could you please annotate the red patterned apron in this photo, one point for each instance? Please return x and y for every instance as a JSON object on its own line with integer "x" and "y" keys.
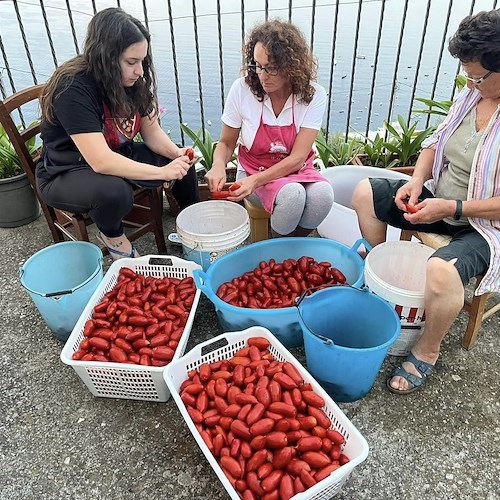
{"x": 119, "y": 131}
{"x": 272, "y": 143}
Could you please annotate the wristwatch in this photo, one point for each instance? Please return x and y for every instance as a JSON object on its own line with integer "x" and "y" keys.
{"x": 458, "y": 210}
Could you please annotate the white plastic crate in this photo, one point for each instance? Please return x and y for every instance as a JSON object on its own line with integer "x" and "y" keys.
{"x": 123, "y": 380}
{"x": 224, "y": 347}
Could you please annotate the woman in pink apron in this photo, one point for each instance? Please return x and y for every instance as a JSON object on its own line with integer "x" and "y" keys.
{"x": 274, "y": 113}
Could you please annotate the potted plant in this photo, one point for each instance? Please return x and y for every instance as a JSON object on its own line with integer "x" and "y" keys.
{"x": 336, "y": 150}
{"x": 375, "y": 153}
{"x": 18, "y": 203}
{"x": 400, "y": 151}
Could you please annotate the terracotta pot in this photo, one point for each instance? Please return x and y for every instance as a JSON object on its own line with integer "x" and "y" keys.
{"x": 404, "y": 170}
{"x": 361, "y": 159}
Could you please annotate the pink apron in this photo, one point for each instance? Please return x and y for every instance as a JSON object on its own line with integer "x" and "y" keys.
{"x": 272, "y": 143}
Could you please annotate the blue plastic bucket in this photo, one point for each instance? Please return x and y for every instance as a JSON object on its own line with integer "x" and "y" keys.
{"x": 284, "y": 322}
{"x": 347, "y": 333}
{"x": 60, "y": 280}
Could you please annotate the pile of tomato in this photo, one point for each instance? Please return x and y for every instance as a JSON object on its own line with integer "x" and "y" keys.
{"x": 277, "y": 284}
{"x": 140, "y": 321}
{"x": 263, "y": 423}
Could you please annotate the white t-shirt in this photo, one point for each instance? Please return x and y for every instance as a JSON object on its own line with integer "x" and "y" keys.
{"x": 242, "y": 110}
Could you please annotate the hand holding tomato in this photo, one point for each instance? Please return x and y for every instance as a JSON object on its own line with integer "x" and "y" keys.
{"x": 216, "y": 178}
{"x": 190, "y": 153}
{"x": 411, "y": 209}
{"x": 222, "y": 195}
{"x": 243, "y": 188}
{"x": 407, "y": 196}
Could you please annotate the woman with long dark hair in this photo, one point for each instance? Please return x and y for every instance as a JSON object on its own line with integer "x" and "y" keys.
{"x": 92, "y": 108}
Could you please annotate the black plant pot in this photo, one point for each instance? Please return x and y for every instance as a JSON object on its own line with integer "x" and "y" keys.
{"x": 18, "y": 203}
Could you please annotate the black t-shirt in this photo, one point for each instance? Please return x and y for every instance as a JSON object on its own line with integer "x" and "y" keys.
{"x": 79, "y": 109}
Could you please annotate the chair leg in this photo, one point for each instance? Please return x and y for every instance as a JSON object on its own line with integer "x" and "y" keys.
{"x": 80, "y": 228}
{"x": 50, "y": 217}
{"x": 156, "y": 219}
{"x": 406, "y": 235}
{"x": 476, "y": 311}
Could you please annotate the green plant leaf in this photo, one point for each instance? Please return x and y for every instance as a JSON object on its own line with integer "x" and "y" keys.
{"x": 206, "y": 147}
{"x": 324, "y": 152}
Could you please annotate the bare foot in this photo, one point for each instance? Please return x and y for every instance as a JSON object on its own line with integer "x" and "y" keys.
{"x": 119, "y": 247}
{"x": 400, "y": 383}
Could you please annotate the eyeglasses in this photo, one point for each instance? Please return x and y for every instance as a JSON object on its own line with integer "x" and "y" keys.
{"x": 257, "y": 68}
{"x": 478, "y": 81}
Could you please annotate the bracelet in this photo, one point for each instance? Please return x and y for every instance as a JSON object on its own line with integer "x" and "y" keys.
{"x": 458, "y": 211}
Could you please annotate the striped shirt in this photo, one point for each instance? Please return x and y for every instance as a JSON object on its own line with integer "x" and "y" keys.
{"x": 484, "y": 179}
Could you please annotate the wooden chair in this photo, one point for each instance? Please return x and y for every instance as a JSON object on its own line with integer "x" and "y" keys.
{"x": 259, "y": 222}
{"x": 476, "y": 306}
{"x": 145, "y": 217}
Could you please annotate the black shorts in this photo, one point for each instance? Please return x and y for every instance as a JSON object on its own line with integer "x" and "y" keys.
{"x": 467, "y": 246}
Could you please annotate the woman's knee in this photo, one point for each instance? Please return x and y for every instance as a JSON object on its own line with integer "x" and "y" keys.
{"x": 319, "y": 201}
{"x": 113, "y": 193}
{"x": 362, "y": 195}
{"x": 291, "y": 195}
{"x": 441, "y": 275}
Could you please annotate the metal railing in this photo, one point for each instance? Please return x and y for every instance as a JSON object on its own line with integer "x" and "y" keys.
{"x": 368, "y": 51}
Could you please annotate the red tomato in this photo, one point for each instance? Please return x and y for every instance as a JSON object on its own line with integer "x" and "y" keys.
{"x": 220, "y": 195}
{"x": 234, "y": 186}
{"x": 411, "y": 209}
{"x": 190, "y": 153}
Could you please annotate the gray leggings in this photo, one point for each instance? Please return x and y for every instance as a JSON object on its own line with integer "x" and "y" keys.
{"x": 305, "y": 205}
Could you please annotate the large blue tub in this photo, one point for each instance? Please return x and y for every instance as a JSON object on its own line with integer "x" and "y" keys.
{"x": 283, "y": 323}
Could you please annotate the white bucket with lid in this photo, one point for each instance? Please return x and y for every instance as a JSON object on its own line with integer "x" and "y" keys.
{"x": 210, "y": 229}
{"x": 395, "y": 270}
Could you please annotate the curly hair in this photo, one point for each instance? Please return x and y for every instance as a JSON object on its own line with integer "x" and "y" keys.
{"x": 478, "y": 40}
{"x": 109, "y": 33}
{"x": 287, "y": 49}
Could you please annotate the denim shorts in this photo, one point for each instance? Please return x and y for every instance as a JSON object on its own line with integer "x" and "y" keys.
{"x": 467, "y": 246}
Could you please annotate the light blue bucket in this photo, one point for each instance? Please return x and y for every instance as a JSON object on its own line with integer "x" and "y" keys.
{"x": 347, "y": 333}
{"x": 61, "y": 279}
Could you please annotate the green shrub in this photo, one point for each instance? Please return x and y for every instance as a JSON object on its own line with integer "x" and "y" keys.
{"x": 338, "y": 149}
{"x": 406, "y": 144}
{"x": 10, "y": 164}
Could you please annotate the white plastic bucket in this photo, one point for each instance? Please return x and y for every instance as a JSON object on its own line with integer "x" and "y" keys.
{"x": 210, "y": 229}
{"x": 395, "y": 271}
{"x": 341, "y": 223}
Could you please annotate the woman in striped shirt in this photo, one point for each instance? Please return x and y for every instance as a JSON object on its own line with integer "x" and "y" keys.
{"x": 454, "y": 190}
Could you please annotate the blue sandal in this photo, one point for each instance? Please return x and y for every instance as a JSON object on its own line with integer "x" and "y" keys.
{"x": 415, "y": 383}
{"x": 117, "y": 254}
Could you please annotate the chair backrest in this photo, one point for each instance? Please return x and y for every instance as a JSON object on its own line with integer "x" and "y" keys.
{"x": 19, "y": 136}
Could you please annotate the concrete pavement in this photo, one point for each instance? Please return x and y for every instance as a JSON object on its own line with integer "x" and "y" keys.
{"x": 57, "y": 441}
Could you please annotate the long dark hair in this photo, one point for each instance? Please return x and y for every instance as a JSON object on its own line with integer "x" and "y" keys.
{"x": 109, "y": 33}
{"x": 287, "y": 49}
{"x": 478, "y": 40}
